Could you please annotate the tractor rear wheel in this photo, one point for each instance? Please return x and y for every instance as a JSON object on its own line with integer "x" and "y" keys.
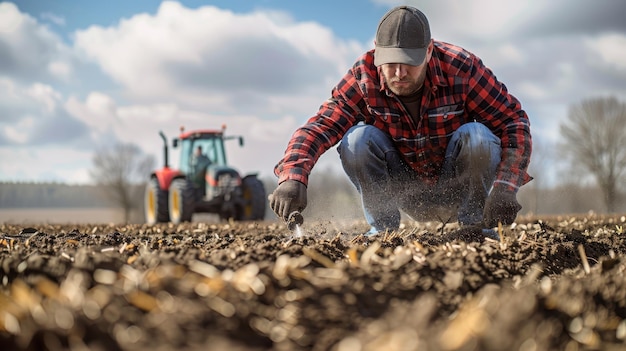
{"x": 181, "y": 201}
{"x": 254, "y": 202}
{"x": 155, "y": 203}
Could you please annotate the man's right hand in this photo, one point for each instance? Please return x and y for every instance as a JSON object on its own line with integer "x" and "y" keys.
{"x": 289, "y": 196}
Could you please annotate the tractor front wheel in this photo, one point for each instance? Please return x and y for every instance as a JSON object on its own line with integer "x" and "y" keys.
{"x": 155, "y": 203}
{"x": 181, "y": 201}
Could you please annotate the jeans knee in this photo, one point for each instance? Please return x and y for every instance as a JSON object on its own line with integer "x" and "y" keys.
{"x": 476, "y": 135}
{"x": 359, "y": 144}
{"x": 473, "y": 148}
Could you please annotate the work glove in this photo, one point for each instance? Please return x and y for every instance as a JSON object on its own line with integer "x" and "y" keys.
{"x": 501, "y": 206}
{"x": 289, "y": 196}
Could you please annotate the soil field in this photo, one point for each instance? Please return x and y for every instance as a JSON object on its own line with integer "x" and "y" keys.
{"x": 549, "y": 284}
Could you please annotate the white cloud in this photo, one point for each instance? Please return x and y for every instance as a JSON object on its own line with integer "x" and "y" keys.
{"x": 19, "y": 133}
{"x": 101, "y": 105}
{"x": 511, "y": 54}
{"x": 213, "y": 58}
{"x": 23, "y": 103}
{"x": 33, "y": 115}
{"x": 479, "y": 21}
{"x": 8, "y": 91}
{"x": 99, "y": 115}
{"x": 45, "y": 95}
{"x": 30, "y": 50}
{"x": 610, "y": 48}
{"x": 60, "y": 69}
{"x": 10, "y": 18}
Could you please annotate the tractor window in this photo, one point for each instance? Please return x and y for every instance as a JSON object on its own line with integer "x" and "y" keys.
{"x": 185, "y": 153}
{"x": 219, "y": 155}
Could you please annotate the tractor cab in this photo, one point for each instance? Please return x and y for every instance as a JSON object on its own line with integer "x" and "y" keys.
{"x": 200, "y": 144}
{"x": 199, "y": 151}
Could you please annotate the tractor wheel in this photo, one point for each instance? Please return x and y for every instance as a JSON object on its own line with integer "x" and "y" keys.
{"x": 181, "y": 201}
{"x": 254, "y": 202}
{"x": 155, "y": 203}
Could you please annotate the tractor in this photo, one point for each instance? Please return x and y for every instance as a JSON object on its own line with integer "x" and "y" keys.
{"x": 204, "y": 183}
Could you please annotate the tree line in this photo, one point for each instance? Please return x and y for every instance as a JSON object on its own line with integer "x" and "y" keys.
{"x": 50, "y": 195}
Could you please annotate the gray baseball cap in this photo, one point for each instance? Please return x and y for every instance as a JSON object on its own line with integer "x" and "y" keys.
{"x": 403, "y": 36}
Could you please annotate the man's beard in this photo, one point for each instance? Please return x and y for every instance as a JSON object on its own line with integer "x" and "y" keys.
{"x": 413, "y": 86}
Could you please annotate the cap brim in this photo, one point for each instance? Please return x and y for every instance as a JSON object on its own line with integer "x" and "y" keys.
{"x": 413, "y": 57}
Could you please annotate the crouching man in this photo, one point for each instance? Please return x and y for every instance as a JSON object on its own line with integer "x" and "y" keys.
{"x": 424, "y": 127}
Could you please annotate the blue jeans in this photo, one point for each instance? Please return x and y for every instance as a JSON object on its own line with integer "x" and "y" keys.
{"x": 387, "y": 184}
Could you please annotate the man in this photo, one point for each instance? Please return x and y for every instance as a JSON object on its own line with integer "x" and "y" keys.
{"x": 424, "y": 128}
{"x": 200, "y": 162}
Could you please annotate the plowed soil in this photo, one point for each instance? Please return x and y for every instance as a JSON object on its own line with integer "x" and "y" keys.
{"x": 551, "y": 284}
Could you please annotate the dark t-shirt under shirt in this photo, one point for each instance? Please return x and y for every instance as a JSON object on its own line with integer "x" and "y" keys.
{"x": 412, "y": 103}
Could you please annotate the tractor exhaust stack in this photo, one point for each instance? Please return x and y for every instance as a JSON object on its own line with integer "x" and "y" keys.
{"x": 165, "y": 152}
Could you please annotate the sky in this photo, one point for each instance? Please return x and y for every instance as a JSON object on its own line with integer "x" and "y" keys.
{"x": 78, "y": 76}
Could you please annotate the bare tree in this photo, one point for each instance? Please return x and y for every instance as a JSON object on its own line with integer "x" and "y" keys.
{"x": 121, "y": 170}
{"x": 594, "y": 138}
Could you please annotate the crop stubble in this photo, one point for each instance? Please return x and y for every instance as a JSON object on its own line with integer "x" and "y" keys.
{"x": 255, "y": 286}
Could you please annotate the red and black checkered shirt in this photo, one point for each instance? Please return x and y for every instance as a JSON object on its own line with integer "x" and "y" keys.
{"x": 458, "y": 89}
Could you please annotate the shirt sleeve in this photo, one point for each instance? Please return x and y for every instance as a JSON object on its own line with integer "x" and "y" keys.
{"x": 489, "y": 100}
{"x": 322, "y": 131}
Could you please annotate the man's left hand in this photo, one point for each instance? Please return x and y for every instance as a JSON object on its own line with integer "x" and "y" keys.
{"x": 501, "y": 206}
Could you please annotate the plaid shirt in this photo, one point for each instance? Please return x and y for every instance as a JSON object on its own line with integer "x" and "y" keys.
{"x": 458, "y": 89}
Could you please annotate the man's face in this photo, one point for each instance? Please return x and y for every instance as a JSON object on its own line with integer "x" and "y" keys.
{"x": 403, "y": 79}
